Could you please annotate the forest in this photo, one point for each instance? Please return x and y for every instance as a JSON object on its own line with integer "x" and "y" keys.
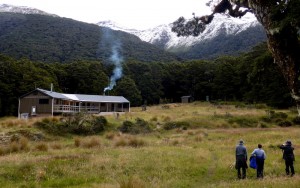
{"x": 250, "y": 77}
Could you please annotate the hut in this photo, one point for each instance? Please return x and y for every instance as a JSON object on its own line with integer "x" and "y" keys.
{"x": 186, "y": 99}
{"x": 44, "y": 102}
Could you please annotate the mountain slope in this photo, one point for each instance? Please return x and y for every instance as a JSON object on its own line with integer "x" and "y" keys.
{"x": 54, "y": 39}
{"x": 224, "y": 36}
{"x": 23, "y": 10}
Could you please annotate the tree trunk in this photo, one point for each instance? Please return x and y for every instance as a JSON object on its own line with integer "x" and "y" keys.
{"x": 285, "y": 48}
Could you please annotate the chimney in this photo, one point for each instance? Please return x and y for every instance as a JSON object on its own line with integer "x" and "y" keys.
{"x": 51, "y": 87}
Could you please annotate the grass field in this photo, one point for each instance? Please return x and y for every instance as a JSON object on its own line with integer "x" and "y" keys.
{"x": 200, "y": 155}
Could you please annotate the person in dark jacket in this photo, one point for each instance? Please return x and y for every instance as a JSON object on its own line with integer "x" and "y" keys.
{"x": 241, "y": 159}
{"x": 288, "y": 156}
{"x": 260, "y": 157}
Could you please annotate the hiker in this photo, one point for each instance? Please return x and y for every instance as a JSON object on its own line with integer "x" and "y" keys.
{"x": 260, "y": 157}
{"x": 289, "y": 157}
{"x": 241, "y": 159}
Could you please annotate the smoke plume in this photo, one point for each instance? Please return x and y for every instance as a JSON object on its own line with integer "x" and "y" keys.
{"x": 111, "y": 40}
{"x": 117, "y": 60}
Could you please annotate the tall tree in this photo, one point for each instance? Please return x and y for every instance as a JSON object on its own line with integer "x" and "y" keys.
{"x": 281, "y": 21}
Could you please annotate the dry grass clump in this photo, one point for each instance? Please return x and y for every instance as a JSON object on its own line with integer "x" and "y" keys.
{"x": 42, "y": 146}
{"x": 111, "y": 135}
{"x": 121, "y": 142}
{"x": 21, "y": 144}
{"x": 135, "y": 142}
{"x": 132, "y": 182}
{"x": 175, "y": 142}
{"x": 166, "y": 118}
{"x": 56, "y": 145}
{"x": 90, "y": 142}
{"x": 199, "y": 137}
{"x": 154, "y": 118}
{"x": 77, "y": 142}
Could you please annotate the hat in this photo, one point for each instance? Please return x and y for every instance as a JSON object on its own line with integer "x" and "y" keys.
{"x": 241, "y": 141}
{"x": 288, "y": 142}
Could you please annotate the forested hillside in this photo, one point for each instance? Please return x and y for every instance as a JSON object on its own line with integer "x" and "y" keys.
{"x": 55, "y": 39}
{"x": 251, "y": 77}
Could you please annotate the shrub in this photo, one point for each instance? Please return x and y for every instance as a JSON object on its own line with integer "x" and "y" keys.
{"x": 99, "y": 124}
{"x": 243, "y": 121}
{"x": 79, "y": 123}
{"x": 296, "y": 120}
{"x": 176, "y": 125}
{"x": 262, "y": 125}
{"x": 274, "y": 115}
{"x": 261, "y": 106}
{"x": 285, "y": 124}
{"x": 280, "y": 115}
{"x": 154, "y": 118}
{"x": 140, "y": 126}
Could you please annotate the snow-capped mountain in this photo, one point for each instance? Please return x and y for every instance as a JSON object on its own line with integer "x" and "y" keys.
{"x": 22, "y": 9}
{"x": 222, "y": 29}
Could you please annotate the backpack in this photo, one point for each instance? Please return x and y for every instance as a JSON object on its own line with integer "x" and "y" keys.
{"x": 253, "y": 163}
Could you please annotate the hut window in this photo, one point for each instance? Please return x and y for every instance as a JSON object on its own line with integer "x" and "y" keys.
{"x": 43, "y": 101}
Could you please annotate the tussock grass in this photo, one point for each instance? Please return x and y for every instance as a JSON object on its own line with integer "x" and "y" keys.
{"x": 42, "y": 146}
{"x": 129, "y": 140}
{"x": 87, "y": 142}
{"x": 200, "y": 156}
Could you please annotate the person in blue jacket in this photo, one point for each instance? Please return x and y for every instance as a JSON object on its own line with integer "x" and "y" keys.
{"x": 241, "y": 159}
{"x": 260, "y": 156}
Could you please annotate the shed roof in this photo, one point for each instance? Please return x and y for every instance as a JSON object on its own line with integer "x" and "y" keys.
{"x": 188, "y": 96}
{"x": 84, "y": 98}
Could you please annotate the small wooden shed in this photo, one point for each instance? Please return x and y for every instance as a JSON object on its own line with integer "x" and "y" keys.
{"x": 186, "y": 99}
{"x": 44, "y": 102}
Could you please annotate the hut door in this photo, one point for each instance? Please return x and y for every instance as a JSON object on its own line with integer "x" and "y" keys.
{"x": 33, "y": 110}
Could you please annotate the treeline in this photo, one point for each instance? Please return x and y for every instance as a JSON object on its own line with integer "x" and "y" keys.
{"x": 251, "y": 77}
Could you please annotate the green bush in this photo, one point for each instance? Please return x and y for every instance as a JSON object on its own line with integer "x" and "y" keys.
{"x": 140, "y": 126}
{"x": 275, "y": 117}
{"x": 243, "y": 121}
{"x": 296, "y": 120}
{"x": 175, "y": 125}
{"x": 285, "y": 124}
{"x": 80, "y": 124}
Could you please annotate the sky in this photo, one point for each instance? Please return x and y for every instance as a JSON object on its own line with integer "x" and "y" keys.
{"x": 132, "y": 14}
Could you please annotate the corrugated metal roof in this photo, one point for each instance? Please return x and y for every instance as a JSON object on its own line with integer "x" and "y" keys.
{"x": 53, "y": 94}
{"x": 85, "y": 98}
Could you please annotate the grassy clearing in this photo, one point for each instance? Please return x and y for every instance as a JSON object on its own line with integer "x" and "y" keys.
{"x": 200, "y": 156}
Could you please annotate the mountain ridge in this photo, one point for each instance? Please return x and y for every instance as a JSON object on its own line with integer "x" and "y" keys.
{"x": 23, "y": 10}
{"x": 222, "y": 27}
{"x": 224, "y": 36}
